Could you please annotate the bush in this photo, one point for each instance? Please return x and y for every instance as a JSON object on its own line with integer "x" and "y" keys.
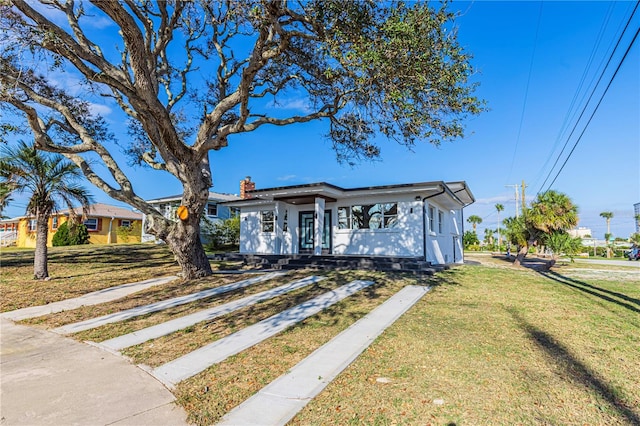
{"x": 222, "y": 234}
{"x": 70, "y": 235}
{"x": 62, "y": 236}
{"x": 125, "y": 233}
{"x": 469, "y": 239}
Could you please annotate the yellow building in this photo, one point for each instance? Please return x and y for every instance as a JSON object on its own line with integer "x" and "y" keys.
{"x": 106, "y": 225}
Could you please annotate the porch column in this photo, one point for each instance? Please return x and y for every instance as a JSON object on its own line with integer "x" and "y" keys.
{"x": 318, "y": 226}
{"x": 279, "y": 213}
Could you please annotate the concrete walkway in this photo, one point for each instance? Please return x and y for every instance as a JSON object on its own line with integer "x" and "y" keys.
{"x": 93, "y": 298}
{"x": 162, "y": 329}
{"x": 278, "y": 402}
{"x": 194, "y": 362}
{"x": 159, "y": 306}
{"x": 47, "y": 379}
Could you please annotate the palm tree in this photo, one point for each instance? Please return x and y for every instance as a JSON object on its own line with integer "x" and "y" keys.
{"x": 6, "y": 188}
{"x": 499, "y": 208}
{"x": 49, "y": 180}
{"x": 607, "y": 216}
{"x": 474, "y": 221}
{"x": 550, "y": 212}
{"x": 488, "y": 236}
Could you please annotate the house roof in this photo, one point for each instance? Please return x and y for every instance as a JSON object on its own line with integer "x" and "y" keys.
{"x": 106, "y": 210}
{"x": 213, "y": 196}
{"x": 452, "y": 194}
{"x": 95, "y": 210}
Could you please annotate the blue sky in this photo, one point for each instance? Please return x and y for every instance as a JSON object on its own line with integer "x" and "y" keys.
{"x": 530, "y": 58}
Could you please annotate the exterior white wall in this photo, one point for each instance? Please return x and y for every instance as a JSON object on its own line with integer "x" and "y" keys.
{"x": 407, "y": 239}
{"x": 444, "y": 244}
{"x": 252, "y": 239}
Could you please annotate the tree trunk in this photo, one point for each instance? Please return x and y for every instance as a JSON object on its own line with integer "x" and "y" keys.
{"x": 522, "y": 252}
{"x": 184, "y": 242}
{"x": 40, "y": 270}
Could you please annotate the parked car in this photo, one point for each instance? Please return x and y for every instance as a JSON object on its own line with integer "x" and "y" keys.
{"x": 633, "y": 253}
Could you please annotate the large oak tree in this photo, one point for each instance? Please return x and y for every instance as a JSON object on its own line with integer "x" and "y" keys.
{"x": 190, "y": 75}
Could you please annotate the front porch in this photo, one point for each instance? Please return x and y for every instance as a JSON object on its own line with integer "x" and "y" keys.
{"x": 415, "y": 265}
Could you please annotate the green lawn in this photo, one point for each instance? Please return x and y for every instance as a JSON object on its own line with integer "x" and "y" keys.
{"x": 490, "y": 344}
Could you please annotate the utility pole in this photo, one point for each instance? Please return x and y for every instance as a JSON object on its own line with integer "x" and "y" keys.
{"x": 516, "y": 189}
{"x": 524, "y": 204}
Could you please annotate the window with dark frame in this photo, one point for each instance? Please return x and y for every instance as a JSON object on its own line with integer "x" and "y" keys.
{"x": 91, "y": 224}
{"x": 431, "y": 217}
{"x": 267, "y": 221}
{"x": 368, "y": 216}
{"x": 212, "y": 209}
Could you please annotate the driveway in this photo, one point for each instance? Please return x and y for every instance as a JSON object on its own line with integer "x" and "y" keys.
{"x": 48, "y": 379}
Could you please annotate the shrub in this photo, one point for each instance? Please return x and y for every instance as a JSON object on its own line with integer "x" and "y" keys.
{"x": 70, "y": 235}
{"x": 62, "y": 236}
{"x": 222, "y": 234}
{"x": 125, "y": 233}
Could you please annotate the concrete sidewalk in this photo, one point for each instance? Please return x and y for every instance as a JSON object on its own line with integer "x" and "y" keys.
{"x": 282, "y": 399}
{"x": 161, "y": 305}
{"x": 47, "y": 379}
{"x": 93, "y": 298}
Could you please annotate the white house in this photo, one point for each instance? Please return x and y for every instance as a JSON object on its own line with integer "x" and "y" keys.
{"x": 214, "y": 211}
{"x": 408, "y": 220}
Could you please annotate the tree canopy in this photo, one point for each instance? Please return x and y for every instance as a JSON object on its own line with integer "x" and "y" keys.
{"x": 552, "y": 212}
{"x": 191, "y": 74}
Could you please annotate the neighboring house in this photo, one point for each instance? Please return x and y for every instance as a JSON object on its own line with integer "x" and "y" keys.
{"x": 9, "y": 231}
{"x": 102, "y": 222}
{"x": 408, "y": 220}
{"x": 214, "y": 211}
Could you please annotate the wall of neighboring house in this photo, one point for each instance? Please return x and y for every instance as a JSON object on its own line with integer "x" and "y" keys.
{"x": 403, "y": 233}
{"x": 213, "y": 213}
{"x": 98, "y": 228}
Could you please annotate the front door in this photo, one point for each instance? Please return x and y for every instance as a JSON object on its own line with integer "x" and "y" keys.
{"x": 307, "y": 232}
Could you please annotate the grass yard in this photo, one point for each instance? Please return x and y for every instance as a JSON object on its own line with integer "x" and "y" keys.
{"x": 490, "y": 344}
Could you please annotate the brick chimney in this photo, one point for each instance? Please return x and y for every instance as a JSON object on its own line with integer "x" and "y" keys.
{"x": 246, "y": 186}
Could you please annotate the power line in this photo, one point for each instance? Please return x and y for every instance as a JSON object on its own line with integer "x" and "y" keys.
{"x": 590, "y": 97}
{"x": 572, "y": 111}
{"x": 526, "y": 92}
{"x": 599, "y": 102}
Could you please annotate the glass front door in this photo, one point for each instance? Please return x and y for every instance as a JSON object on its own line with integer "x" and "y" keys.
{"x": 307, "y": 232}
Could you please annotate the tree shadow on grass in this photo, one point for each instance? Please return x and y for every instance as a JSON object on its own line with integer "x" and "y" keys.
{"x": 575, "y": 370}
{"x": 596, "y": 291}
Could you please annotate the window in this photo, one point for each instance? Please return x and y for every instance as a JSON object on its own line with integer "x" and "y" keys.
{"x": 285, "y": 225}
{"x": 267, "y": 221}
{"x": 368, "y": 216}
{"x": 91, "y": 224}
{"x": 125, "y": 223}
{"x": 440, "y": 221}
{"x": 32, "y": 225}
{"x": 212, "y": 209}
{"x": 431, "y": 217}
{"x": 54, "y": 222}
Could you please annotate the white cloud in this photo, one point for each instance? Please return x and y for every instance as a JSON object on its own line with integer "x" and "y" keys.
{"x": 100, "y": 109}
{"x": 493, "y": 200}
{"x": 291, "y": 104}
{"x": 287, "y": 177}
